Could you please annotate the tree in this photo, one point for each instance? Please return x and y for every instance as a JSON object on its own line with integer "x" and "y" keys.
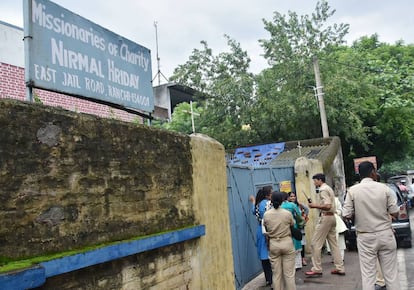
{"x": 363, "y": 87}
{"x": 298, "y": 39}
{"x": 392, "y": 70}
{"x": 375, "y": 116}
{"x": 368, "y": 89}
{"x": 285, "y": 89}
{"x": 227, "y": 85}
{"x": 181, "y": 119}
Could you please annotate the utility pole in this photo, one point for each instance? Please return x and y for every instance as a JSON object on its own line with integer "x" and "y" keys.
{"x": 158, "y": 58}
{"x": 192, "y": 113}
{"x": 159, "y": 73}
{"x": 319, "y": 94}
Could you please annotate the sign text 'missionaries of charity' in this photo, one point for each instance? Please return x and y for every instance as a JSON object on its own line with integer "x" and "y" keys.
{"x": 72, "y": 55}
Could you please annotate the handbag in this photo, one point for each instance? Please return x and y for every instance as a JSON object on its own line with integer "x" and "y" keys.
{"x": 300, "y": 221}
{"x": 296, "y": 233}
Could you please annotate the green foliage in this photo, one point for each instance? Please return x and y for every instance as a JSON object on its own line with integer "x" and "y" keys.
{"x": 285, "y": 90}
{"x": 397, "y": 167}
{"x": 389, "y": 71}
{"x": 228, "y": 87}
{"x": 181, "y": 118}
{"x": 294, "y": 38}
{"x": 368, "y": 89}
{"x": 37, "y": 99}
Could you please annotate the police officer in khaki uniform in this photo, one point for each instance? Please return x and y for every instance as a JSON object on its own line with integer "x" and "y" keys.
{"x": 325, "y": 230}
{"x": 371, "y": 203}
{"x": 277, "y": 222}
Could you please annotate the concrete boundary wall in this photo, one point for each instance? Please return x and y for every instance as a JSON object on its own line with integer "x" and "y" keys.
{"x": 304, "y": 170}
{"x": 215, "y": 262}
{"x": 71, "y": 181}
{"x": 333, "y": 168}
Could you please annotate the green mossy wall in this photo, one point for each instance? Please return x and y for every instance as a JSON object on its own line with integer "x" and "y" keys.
{"x": 70, "y": 180}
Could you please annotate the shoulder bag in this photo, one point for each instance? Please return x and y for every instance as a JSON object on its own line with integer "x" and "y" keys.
{"x": 296, "y": 233}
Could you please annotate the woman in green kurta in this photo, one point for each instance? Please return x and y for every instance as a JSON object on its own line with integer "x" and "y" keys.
{"x": 297, "y": 216}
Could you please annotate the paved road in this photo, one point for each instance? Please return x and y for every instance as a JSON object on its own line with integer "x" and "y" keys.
{"x": 352, "y": 280}
{"x": 406, "y": 261}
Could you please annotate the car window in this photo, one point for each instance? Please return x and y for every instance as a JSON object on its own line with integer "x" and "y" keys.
{"x": 395, "y": 193}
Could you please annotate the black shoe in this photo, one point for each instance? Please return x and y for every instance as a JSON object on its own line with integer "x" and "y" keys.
{"x": 378, "y": 287}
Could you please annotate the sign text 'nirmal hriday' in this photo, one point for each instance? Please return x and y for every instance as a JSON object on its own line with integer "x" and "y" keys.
{"x": 72, "y": 55}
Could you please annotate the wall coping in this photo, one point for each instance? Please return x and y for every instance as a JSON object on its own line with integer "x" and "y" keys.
{"x": 36, "y": 276}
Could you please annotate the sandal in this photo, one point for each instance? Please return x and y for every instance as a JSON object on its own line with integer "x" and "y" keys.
{"x": 304, "y": 263}
{"x": 313, "y": 274}
{"x": 337, "y": 272}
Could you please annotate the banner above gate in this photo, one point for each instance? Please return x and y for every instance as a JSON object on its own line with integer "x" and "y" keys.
{"x": 257, "y": 156}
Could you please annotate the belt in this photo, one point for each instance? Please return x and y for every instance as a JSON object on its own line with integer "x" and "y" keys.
{"x": 327, "y": 213}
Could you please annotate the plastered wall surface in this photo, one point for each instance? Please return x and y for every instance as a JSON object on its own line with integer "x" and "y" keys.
{"x": 304, "y": 170}
{"x": 72, "y": 180}
{"x": 211, "y": 207}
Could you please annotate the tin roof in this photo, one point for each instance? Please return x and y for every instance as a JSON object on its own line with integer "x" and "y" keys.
{"x": 323, "y": 149}
{"x": 289, "y": 156}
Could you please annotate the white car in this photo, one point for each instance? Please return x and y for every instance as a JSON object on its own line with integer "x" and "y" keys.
{"x": 410, "y": 194}
{"x": 404, "y": 183}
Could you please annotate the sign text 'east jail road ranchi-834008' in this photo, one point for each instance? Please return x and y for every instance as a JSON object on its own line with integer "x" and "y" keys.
{"x": 72, "y": 55}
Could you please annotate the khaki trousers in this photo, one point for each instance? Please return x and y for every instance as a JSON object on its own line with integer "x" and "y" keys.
{"x": 325, "y": 231}
{"x": 382, "y": 246}
{"x": 379, "y": 278}
{"x": 282, "y": 257}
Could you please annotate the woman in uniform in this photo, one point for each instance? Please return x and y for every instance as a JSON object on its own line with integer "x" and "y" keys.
{"x": 277, "y": 222}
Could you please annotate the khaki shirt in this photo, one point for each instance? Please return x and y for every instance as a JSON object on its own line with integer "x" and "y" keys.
{"x": 277, "y": 222}
{"x": 371, "y": 202}
{"x": 327, "y": 196}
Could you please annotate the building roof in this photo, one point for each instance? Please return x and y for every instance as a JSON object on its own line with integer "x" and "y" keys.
{"x": 284, "y": 154}
{"x": 322, "y": 149}
{"x": 168, "y": 96}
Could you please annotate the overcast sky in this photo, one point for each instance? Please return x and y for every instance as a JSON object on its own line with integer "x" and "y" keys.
{"x": 182, "y": 24}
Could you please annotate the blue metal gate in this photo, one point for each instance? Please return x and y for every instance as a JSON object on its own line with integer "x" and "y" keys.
{"x": 241, "y": 183}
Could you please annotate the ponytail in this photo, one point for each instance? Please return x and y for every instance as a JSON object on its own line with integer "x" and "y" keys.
{"x": 278, "y": 198}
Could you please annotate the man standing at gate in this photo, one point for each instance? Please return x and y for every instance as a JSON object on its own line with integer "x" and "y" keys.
{"x": 371, "y": 203}
{"x": 325, "y": 230}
